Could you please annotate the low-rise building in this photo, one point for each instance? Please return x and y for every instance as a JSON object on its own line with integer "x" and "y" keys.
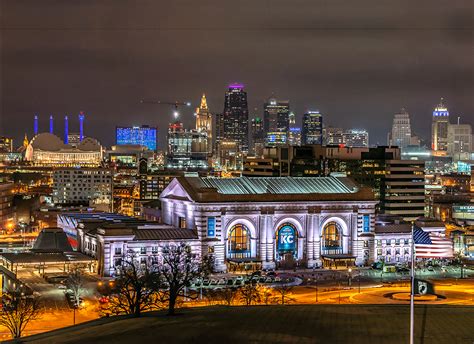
{"x": 7, "y": 210}
{"x": 88, "y": 186}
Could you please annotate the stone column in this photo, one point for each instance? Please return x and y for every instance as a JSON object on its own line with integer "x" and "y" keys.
{"x": 263, "y": 238}
{"x": 269, "y": 262}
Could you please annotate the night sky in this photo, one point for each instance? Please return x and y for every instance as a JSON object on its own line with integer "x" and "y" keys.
{"x": 358, "y": 62}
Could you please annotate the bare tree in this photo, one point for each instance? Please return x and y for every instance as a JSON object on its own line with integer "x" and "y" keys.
{"x": 284, "y": 294}
{"x": 249, "y": 294}
{"x": 267, "y": 295}
{"x": 75, "y": 289}
{"x": 228, "y": 295}
{"x": 75, "y": 285}
{"x": 17, "y": 311}
{"x": 180, "y": 266}
{"x": 136, "y": 288}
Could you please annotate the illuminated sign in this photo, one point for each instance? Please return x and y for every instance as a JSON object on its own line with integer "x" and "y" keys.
{"x": 211, "y": 227}
{"x": 366, "y": 223}
{"x": 463, "y": 208}
{"x": 286, "y": 239}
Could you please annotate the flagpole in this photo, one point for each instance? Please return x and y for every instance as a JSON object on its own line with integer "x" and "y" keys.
{"x": 412, "y": 287}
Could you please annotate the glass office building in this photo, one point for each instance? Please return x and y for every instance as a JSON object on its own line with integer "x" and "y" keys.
{"x": 144, "y": 136}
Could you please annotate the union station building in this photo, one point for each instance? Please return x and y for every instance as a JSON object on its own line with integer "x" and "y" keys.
{"x": 273, "y": 222}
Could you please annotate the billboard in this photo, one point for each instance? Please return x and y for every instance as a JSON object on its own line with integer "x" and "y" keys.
{"x": 286, "y": 238}
{"x": 211, "y": 227}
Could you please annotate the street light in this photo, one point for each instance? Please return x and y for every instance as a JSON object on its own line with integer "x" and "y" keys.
{"x": 462, "y": 270}
{"x": 358, "y": 280}
{"x": 350, "y": 277}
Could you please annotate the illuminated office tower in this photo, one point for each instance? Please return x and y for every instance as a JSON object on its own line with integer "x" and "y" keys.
{"x": 401, "y": 130}
{"x": 276, "y": 138}
{"x": 236, "y": 116}
{"x": 312, "y": 132}
{"x": 439, "y": 128}
{"x": 292, "y": 119}
{"x": 294, "y": 136}
{"x": 460, "y": 140}
{"x": 204, "y": 122}
{"x": 356, "y": 138}
{"x": 144, "y": 136}
{"x": 276, "y": 115}
{"x": 333, "y": 136}
{"x": 187, "y": 149}
{"x": 257, "y": 135}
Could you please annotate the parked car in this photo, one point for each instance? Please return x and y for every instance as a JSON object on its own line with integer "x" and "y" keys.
{"x": 104, "y": 299}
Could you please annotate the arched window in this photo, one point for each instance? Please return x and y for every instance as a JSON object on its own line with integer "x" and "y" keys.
{"x": 239, "y": 242}
{"x": 332, "y": 238}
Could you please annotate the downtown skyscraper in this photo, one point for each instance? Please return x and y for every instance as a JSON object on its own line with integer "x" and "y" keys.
{"x": 401, "y": 130}
{"x": 236, "y": 116}
{"x": 276, "y": 115}
{"x": 312, "y": 132}
{"x": 439, "y": 128}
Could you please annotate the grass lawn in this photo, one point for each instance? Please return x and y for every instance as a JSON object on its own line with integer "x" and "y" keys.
{"x": 277, "y": 324}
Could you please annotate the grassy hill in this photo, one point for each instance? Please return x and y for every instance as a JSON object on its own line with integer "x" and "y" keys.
{"x": 277, "y": 324}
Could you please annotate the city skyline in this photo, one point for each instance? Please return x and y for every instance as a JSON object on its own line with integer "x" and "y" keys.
{"x": 357, "y": 67}
{"x": 55, "y": 124}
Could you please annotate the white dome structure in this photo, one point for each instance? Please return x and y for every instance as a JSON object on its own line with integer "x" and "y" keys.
{"x": 46, "y": 149}
{"x": 47, "y": 142}
{"x": 89, "y": 144}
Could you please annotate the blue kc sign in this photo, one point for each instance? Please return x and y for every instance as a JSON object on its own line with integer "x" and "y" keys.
{"x": 286, "y": 239}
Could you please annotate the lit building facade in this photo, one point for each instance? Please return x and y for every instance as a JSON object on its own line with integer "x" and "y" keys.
{"x": 273, "y": 221}
{"x": 460, "y": 140}
{"x": 7, "y": 210}
{"x": 90, "y": 186}
{"x": 401, "y": 130}
{"x": 110, "y": 237}
{"x": 312, "y": 131}
{"x": 294, "y": 136}
{"x": 276, "y": 115}
{"x": 333, "y": 136}
{"x": 6, "y": 144}
{"x": 439, "y": 128}
{"x": 257, "y": 134}
{"x": 46, "y": 149}
{"x": 402, "y": 191}
{"x": 356, "y": 138}
{"x": 187, "y": 149}
{"x": 143, "y": 136}
{"x": 276, "y": 138}
{"x": 236, "y": 116}
{"x": 204, "y": 122}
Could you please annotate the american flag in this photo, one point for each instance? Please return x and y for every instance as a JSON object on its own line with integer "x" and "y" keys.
{"x": 431, "y": 244}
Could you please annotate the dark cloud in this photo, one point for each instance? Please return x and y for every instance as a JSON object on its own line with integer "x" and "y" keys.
{"x": 358, "y": 63}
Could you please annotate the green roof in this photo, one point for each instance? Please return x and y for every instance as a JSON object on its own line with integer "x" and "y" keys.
{"x": 280, "y": 185}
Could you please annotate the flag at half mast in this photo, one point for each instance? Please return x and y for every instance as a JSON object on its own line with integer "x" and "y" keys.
{"x": 432, "y": 244}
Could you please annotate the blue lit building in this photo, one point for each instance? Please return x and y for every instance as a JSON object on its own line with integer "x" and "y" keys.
{"x": 144, "y": 136}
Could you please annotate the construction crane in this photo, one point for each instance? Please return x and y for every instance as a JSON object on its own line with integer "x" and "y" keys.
{"x": 160, "y": 102}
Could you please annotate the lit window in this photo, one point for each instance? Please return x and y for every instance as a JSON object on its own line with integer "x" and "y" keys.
{"x": 239, "y": 242}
